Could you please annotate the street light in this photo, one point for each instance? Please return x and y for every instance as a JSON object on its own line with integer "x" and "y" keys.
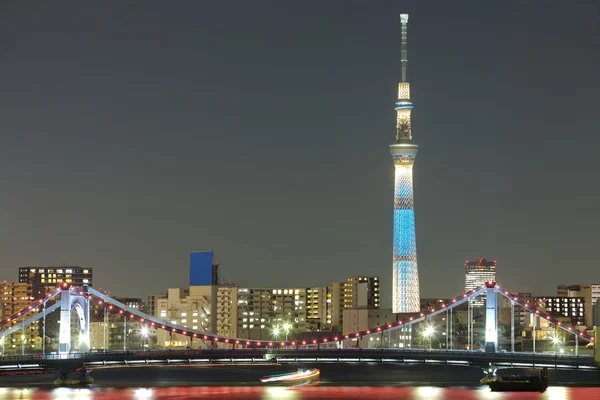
{"x": 2, "y": 343}
{"x": 286, "y": 328}
{"x": 144, "y": 332}
{"x": 428, "y": 333}
{"x": 556, "y": 342}
{"x": 276, "y": 332}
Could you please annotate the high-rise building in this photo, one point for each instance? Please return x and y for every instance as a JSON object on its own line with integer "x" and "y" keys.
{"x": 476, "y": 273}
{"x": 227, "y": 310}
{"x": 355, "y": 292}
{"x": 566, "y": 309}
{"x": 318, "y": 309}
{"x": 590, "y": 294}
{"x": 263, "y": 312}
{"x": 190, "y": 308}
{"x": 44, "y": 279}
{"x": 15, "y": 297}
{"x": 152, "y": 302}
{"x": 404, "y": 151}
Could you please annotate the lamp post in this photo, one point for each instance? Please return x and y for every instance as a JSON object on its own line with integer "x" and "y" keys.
{"x": 286, "y": 328}
{"x": 2, "y": 343}
{"x": 276, "y": 332}
{"x": 428, "y": 333}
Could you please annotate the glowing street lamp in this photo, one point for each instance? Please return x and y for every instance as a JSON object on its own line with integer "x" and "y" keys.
{"x": 556, "y": 342}
{"x": 2, "y": 343}
{"x": 286, "y": 328}
{"x": 276, "y": 332}
{"x": 144, "y": 332}
{"x": 428, "y": 332}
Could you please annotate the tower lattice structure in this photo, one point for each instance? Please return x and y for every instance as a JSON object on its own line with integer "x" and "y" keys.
{"x": 406, "y": 295}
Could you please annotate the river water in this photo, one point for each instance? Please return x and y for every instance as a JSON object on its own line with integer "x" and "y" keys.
{"x": 306, "y": 392}
{"x": 337, "y": 381}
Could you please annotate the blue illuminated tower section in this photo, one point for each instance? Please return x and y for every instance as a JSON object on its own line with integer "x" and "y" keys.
{"x": 406, "y": 297}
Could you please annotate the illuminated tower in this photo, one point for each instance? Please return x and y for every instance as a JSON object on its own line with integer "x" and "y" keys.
{"x": 406, "y": 273}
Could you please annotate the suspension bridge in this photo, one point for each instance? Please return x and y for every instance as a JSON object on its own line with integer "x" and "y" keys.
{"x": 395, "y": 338}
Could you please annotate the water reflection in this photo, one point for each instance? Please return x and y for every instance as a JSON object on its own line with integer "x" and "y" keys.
{"x": 297, "y": 393}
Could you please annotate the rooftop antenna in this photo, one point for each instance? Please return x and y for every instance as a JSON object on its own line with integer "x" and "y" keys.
{"x": 403, "y": 56}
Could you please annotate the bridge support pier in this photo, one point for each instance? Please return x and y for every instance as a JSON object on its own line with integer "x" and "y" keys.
{"x": 491, "y": 322}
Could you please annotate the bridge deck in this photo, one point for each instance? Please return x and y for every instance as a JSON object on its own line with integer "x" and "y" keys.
{"x": 473, "y": 358}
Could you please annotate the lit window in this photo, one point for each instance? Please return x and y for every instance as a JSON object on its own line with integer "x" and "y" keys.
{"x": 69, "y": 271}
{"x": 195, "y": 327}
{"x": 184, "y": 314}
{"x": 183, "y": 321}
{"x": 85, "y": 271}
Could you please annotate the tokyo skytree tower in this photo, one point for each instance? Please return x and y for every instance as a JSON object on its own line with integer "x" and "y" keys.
{"x": 406, "y": 295}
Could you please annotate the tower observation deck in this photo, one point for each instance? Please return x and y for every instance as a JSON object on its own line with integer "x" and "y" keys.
{"x": 406, "y": 297}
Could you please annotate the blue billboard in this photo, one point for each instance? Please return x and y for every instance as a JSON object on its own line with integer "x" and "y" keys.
{"x": 201, "y": 268}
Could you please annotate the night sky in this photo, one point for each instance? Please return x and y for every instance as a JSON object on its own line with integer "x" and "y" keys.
{"x": 135, "y": 132}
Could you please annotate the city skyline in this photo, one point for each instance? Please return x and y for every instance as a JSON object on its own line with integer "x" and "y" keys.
{"x": 128, "y": 166}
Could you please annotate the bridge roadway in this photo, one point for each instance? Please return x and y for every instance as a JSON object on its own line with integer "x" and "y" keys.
{"x": 211, "y": 356}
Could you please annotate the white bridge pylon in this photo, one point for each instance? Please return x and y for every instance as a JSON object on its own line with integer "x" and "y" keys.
{"x": 79, "y": 300}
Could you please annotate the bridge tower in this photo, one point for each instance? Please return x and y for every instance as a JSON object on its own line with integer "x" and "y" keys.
{"x": 491, "y": 320}
{"x": 406, "y": 296}
{"x": 71, "y": 301}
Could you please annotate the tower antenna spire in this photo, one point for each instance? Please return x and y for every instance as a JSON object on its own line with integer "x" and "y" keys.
{"x": 403, "y": 55}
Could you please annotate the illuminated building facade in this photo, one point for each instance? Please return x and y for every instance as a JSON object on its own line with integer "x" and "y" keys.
{"x": 404, "y": 151}
{"x": 476, "y": 273}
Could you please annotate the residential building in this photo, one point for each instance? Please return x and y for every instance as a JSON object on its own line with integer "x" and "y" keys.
{"x": 190, "y": 308}
{"x": 569, "y": 310}
{"x": 590, "y": 294}
{"x": 15, "y": 297}
{"x": 355, "y": 292}
{"x": 227, "y": 310}
{"x": 45, "y": 279}
{"x": 318, "y": 309}
{"x": 262, "y": 310}
{"x": 151, "y": 304}
{"x": 361, "y": 319}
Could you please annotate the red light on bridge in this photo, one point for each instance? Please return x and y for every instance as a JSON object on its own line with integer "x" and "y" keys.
{"x": 226, "y": 340}
{"x": 110, "y": 307}
{"x": 454, "y": 300}
{"x": 304, "y": 342}
{"x": 325, "y": 340}
{"x": 443, "y": 306}
{"x": 389, "y": 325}
{"x": 205, "y": 337}
{"x": 368, "y": 332}
{"x": 131, "y": 316}
{"x": 257, "y": 344}
{"x": 19, "y": 314}
{"x": 248, "y": 343}
{"x": 378, "y": 329}
{"x": 422, "y": 314}
{"x": 163, "y": 327}
{"x": 270, "y": 344}
{"x": 559, "y": 323}
{"x": 152, "y": 324}
{"x": 174, "y": 330}
{"x": 335, "y": 338}
{"x": 184, "y": 333}
{"x": 537, "y": 311}
{"x": 314, "y": 341}
{"x": 237, "y": 342}
{"x": 357, "y": 334}
{"x": 293, "y": 343}
{"x": 120, "y": 311}
{"x": 215, "y": 339}
{"x": 282, "y": 344}
{"x": 142, "y": 320}
{"x": 195, "y": 335}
